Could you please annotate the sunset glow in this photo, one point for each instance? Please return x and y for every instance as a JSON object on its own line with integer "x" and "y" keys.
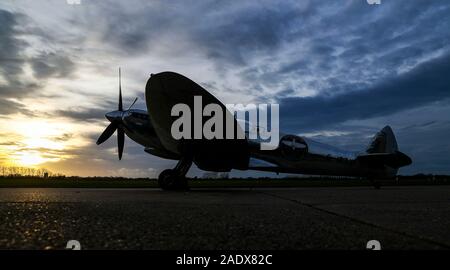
{"x": 29, "y": 159}
{"x": 33, "y": 142}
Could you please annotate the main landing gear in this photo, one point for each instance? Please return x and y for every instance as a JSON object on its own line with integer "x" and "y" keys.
{"x": 175, "y": 179}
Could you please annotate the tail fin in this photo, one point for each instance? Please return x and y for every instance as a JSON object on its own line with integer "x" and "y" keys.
{"x": 383, "y": 150}
{"x": 383, "y": 142}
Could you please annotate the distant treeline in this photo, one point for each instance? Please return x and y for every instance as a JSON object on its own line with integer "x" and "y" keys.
{"x": 24, "y": 172}
{"x": 8, "y": 171}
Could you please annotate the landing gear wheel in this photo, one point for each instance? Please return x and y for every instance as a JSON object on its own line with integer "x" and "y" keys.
{"x": 162, "y": 181}
{"x": 170, "y": 180}
{"x": 174, "y": 179}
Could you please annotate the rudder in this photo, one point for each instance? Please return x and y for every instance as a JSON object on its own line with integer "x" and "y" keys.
{"x": 383, "y": 142}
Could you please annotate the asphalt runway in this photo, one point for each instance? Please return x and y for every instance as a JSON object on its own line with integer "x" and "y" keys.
{"x": 256, "y": 219}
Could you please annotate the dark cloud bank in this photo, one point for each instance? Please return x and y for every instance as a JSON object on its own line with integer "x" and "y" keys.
{"x": 44, "y": 65}
{"x": 426, "y": 83}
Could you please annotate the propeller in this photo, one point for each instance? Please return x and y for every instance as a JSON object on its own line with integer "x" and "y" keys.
{"x": 108, "y": 132}
{"x": 133, "y": 103}
{"x": 115, "y": 118}
{"x": 120, "y": 92}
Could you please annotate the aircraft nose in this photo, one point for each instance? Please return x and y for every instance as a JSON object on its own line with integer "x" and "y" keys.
{"x": 114, "y": 116}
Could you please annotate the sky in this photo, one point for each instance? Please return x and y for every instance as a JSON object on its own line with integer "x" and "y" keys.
{"x": 340, "y": 70}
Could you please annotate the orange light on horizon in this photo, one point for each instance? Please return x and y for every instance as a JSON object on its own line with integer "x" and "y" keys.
{"x": 31, "y": 142}
{"x": 30, "y": 159}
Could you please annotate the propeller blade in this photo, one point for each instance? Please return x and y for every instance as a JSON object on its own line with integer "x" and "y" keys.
{"x": 120, "y": 141}
{"x": 120, "y": 92}
{"x": 133, "y": 103}
{"x": 108, "y": 132}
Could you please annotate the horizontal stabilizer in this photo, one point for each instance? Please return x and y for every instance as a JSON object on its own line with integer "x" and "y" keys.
{"x": 394, "y": 160}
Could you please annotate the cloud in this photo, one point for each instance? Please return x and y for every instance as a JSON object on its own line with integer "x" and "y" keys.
{"x": 64, "y": 137}
{"x": 260, "y": 49}
{"x": 14, "y": 56}
{"x": 338, "y": 47}
{"x": 10, "y": 107}
{"x": 424, "y": 84}
{"x": 11, "y": 57}
{"x": 81, "y": 114}
{"x": 52, "y": 65}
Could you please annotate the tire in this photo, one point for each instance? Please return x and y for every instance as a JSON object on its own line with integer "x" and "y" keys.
{"x": 162, "y": 181}
{"x": 169, "y": 180}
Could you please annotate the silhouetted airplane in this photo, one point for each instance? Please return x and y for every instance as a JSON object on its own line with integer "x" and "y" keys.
{"x": 294, "y": 154}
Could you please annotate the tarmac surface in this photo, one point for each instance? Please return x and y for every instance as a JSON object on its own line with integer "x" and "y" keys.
{"x": 415, "y": 217}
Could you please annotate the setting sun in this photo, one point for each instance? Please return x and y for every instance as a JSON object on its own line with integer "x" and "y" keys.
{"x": 30, "y": 159}
{"x": 33, "y": 142}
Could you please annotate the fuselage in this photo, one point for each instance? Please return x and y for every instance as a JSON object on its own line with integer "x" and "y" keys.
{"x": 295, "y": 154}
{"x": 300, "y": 155}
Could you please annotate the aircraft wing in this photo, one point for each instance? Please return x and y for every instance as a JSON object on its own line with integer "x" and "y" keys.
{"x": 166, "y": 89}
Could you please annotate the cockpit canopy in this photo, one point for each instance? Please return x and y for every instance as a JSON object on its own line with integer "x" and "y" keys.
{"x": 292, "y": 146}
